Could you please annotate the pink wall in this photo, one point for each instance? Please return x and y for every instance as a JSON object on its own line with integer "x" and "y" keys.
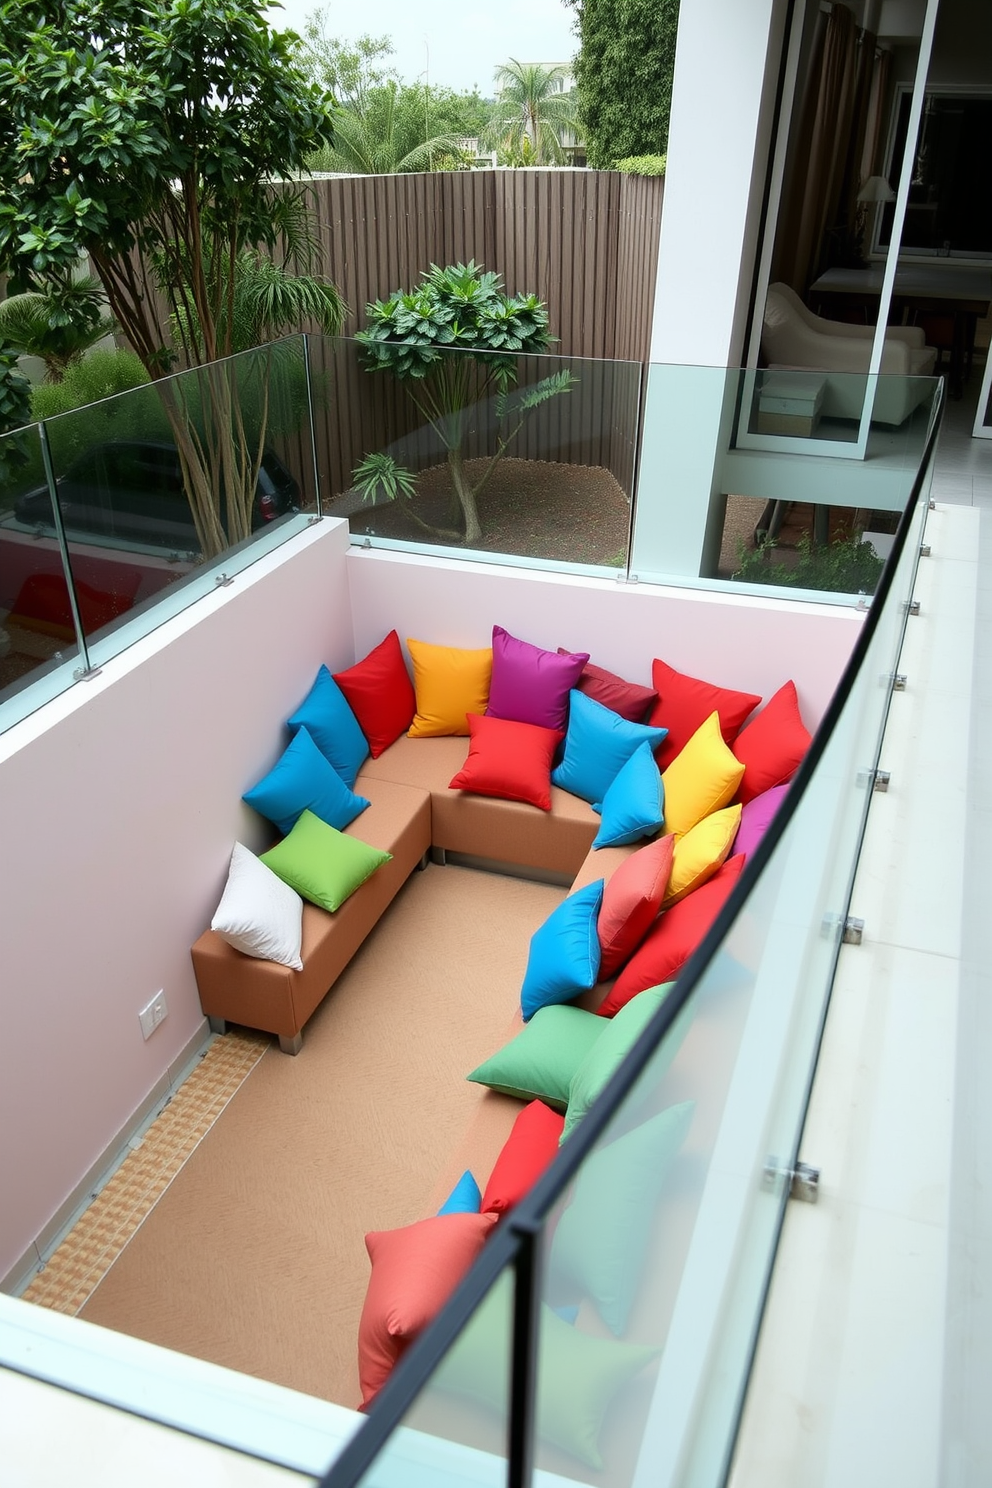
{"x": 753, "y": 644}
{"x": 120, "y": 803}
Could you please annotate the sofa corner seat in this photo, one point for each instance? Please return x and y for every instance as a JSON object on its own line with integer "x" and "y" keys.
{"x": 260, "y": 994}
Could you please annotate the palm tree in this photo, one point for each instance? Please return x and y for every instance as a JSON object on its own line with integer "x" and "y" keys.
{"x": 370, "y": 139}
{"x": 57, "y": 322}
{"x": 531, "y": 106}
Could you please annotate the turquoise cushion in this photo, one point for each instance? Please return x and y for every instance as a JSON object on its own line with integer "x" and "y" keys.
{"x": 564, "y": 952}
{"x": 304, "y": 780}
{"x": 464, "y": 1198}
{"x": 597, "y": 746}
{"x": 333, "y": 727}
{"x": 634, "y": 805}
{"x": 601, "y": 1241}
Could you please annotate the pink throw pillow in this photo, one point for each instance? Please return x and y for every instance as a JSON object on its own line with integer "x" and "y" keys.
{"x": 631, "y": 901}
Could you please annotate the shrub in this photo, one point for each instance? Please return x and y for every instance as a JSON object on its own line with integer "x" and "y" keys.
{"x": 847, "y": 566}
{"x": 642, "y": 165}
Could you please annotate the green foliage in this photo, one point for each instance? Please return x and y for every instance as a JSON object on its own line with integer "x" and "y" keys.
{"x": 15, "y": 410}
{"x": 624, "y": 76}
{"x": 847, "y": 566}
{"x": 643, "y": 165}
{"x": 57, "y": 321}
{"x": 379, "y": 478}
{"x": 103, "y": 374}
{"x": 531, "y": 108}
{"x": 455, "y": 340}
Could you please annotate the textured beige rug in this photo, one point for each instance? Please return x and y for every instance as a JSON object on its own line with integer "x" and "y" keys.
{"x": 254, "y": 1256}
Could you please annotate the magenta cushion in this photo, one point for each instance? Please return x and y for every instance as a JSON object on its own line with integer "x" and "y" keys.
{"x": 626, "y": 698}
{"x": 756, "y": 819}
{"x": 530, "y": 685}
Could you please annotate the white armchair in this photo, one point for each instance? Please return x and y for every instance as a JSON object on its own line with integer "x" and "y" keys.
{"x": 793, "y": 337}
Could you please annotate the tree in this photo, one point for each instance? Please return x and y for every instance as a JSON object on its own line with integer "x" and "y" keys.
{"x": 454, "y": 341}
{"x": 57, "y": 321}
{"x": 150, "y": 137}
{"x": 530, "y": 106}
{"x": 624, "y": 74}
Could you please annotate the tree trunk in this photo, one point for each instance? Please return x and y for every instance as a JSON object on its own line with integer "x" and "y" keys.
{"x": 466, "y": 496}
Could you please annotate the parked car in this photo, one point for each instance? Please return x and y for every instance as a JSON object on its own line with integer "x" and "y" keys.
{"x": 133, "y": 490}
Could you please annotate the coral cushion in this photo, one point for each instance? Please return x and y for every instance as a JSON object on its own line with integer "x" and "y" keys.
{"x": 414, "y": 1271}
{"x": 675, "y": 936}
{"x": 703, "y": 778}
{"x": 530, "y": 685}
{"x": 631, "y": 901}
{"x": 563, "y": 960}
{"x": 701, "y": 852}
{"x": 508, "y": 760}
{"x": 771, "y": 748}
{"x": 381, "y": 696}
{"x": 626, "y": 698}
{"x": 527, "y": 1151}
{"x": 684, "y": 702}
{"x": 450, "y": 683}
{"x": 756, "y": 818}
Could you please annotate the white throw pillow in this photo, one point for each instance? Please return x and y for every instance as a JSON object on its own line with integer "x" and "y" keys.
{"x": 258, "y": 913}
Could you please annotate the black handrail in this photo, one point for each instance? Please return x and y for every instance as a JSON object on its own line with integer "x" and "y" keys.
{"x": 507, "y": 1246}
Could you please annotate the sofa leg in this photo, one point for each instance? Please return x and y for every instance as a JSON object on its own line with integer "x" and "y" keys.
{"x": 437, "y": 856}
{"x": 291, "y": 1045}
{"x": 217, "y": 1025}
{"x": 424, "y": 861}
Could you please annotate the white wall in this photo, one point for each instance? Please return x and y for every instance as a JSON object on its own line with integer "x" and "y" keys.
{"x": 120, "y": 802}
{"x": 735, "y": 640}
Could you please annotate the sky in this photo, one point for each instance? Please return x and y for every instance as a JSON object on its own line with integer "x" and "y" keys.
{"x": 461, "y": 45}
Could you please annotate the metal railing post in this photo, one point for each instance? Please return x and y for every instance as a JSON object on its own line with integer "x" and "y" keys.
{"x": 46, "y": 458}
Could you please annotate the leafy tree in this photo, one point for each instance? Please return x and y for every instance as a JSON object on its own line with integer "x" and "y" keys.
{"x": 15, "y": 410}
{"x": 57, "y": 321}
{"x": 624, "y": 74}
{"x": 149, "y": 136}
{"x": 530, "y": 107}
{"x": 379, "y": 140}
{"x": 454, "y": 341}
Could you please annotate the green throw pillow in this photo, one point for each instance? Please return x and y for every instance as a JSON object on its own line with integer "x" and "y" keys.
{"x": 321, "y": 863}
{"x": 541, "y": 1060}
{"x": 611, "y": 1049}
{"x": 578, "y": 1376}
{"x": 602, "y": 1238}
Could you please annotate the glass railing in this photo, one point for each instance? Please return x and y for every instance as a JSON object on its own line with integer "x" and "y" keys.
{"x": 606, "y": 1332}
{"x": 117, "y": 515}
{"x": 527, "y": 458}
{"x": 788, "y": 479}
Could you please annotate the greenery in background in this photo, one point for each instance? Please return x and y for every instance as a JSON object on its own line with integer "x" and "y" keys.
{"x": 848, "y": 566}
{"x": 15, "y": 410}
{"x": 379, "y": 478}
{"x": 382, "y": 125}
{"x": 643, "y": 165}
{"x": 57, "y": 320}
{"x": 453, "y": 341}
{"x": 149, "y": 138}
{"x": 531, "y": 115}
{"x": 624, "y": 74}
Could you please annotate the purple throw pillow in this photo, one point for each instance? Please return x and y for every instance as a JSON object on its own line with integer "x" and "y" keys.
{"x": 756, "y": 819}
{"x": 530, "y": 685}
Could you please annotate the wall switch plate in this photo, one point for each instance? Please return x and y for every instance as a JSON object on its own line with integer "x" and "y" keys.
{"x": 154, "y": 1013}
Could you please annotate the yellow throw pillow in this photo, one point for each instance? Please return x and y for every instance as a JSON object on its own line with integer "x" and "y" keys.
{"x": 450, "y": 683}
{"x": 701, "y": 779}
{"x": 703, "y": 849}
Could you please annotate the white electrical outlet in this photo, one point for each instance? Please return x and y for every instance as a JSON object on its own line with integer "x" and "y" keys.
{"x": 154, "y": 1013}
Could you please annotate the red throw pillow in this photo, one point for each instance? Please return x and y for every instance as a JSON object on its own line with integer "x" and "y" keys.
{"x": 631, "y": 901}
{"x": 509, "y": 760}
{"x": 414, "y": 1271}
{"x": 771, "y": 748}
{"x": 527, "y": 1151}
{"x": 686, "y": 702}
{"x": 626, "y": 698}
{"x": 677, "y": 933}
{"x": 380, "y": 694}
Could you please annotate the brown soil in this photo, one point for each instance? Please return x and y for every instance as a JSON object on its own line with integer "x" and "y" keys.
{"x": 534, "y": 508}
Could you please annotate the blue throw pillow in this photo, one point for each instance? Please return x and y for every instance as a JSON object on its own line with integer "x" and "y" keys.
{"x": 597, "y": 746}
{"x": 634, "y": 805}
{"x": 302, "y": 780}
{"x": 333, "y": 727}
{"x": 464, "y": 1198}
{"x": 564, "y": 953}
